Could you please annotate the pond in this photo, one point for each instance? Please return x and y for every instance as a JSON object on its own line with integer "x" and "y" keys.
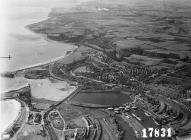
{"x": 112, "y": 98}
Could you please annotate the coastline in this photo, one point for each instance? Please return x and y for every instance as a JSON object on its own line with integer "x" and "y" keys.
{"x": 16, "y": 117}
{"x": 73, "y": 48}
{"x": 48, "y": 40}
{"x": 44, "y": 63}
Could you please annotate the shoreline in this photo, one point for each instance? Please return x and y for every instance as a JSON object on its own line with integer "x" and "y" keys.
{"x": 40, "y": 64}
{"x": 17, "y": 116}
{"x": 48, "y": 61}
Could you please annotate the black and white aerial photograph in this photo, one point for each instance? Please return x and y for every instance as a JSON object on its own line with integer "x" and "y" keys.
{"x": 95, "y": 70}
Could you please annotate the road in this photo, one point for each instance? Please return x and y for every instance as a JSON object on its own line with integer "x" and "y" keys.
{"x": 107, "y": 128}
{"x": 51, "y": 132}
{"x": 24, "y": 121}
{"x": 60, "y": 117}
{"x": 137, "y": 127}
{"x": 172, "y": 72}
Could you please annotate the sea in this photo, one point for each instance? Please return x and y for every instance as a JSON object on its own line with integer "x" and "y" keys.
{"x": 26, "y": 49}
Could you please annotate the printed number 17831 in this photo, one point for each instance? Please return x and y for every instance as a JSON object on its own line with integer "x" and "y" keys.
{"x": 156, "y": 132}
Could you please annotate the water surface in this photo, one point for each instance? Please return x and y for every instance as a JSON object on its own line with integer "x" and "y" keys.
{"x": 9, "y": 112}
{"x": 27, "y": 48}
{"x": 102, "y": 98}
